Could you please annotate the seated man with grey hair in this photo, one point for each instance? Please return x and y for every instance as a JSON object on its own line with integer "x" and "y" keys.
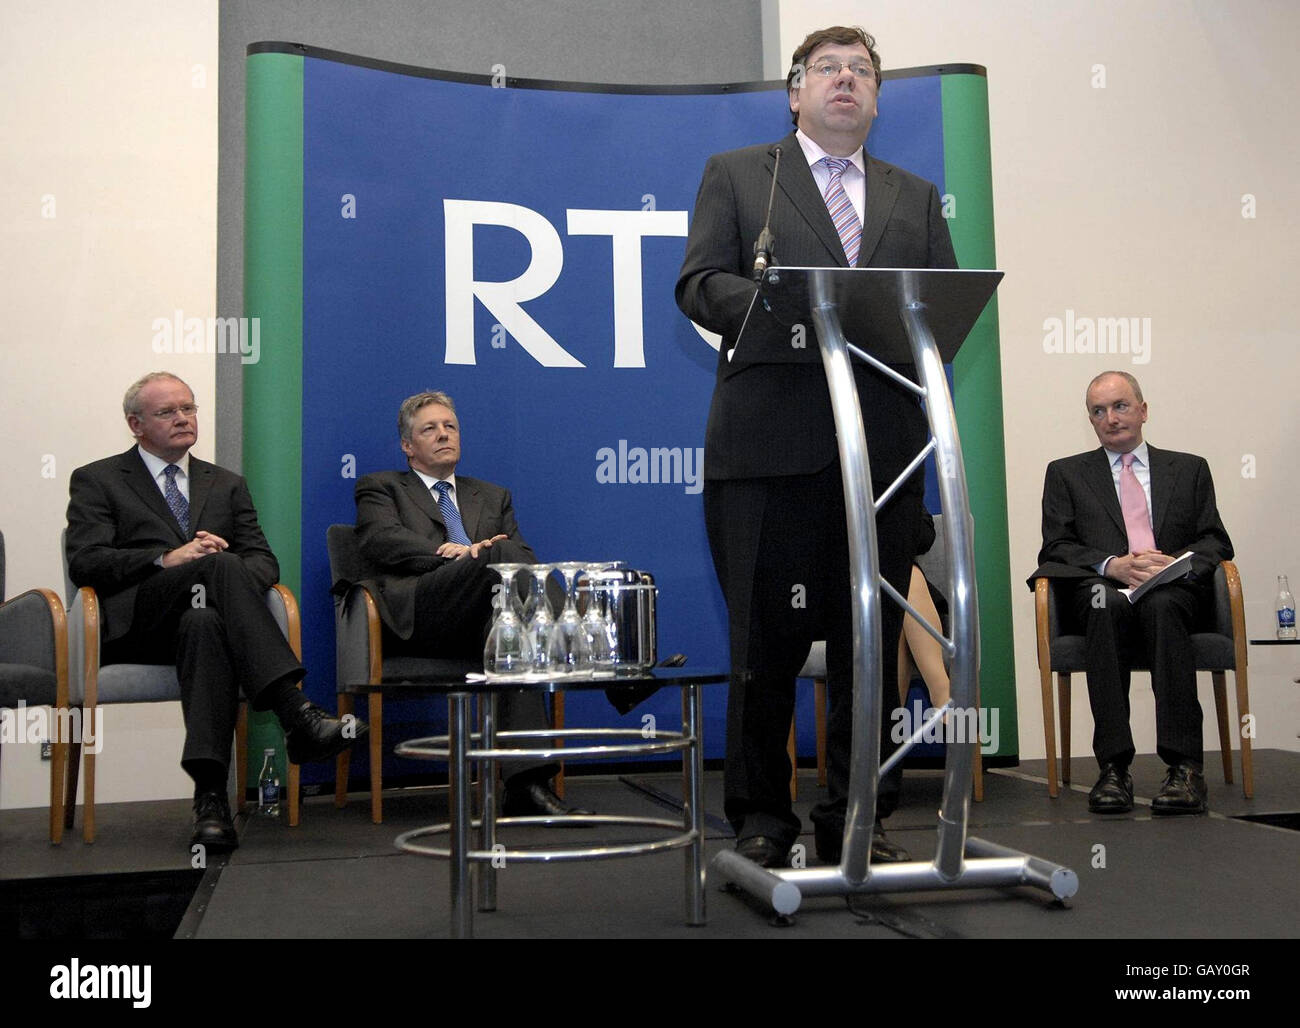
{"x": 146, "y": 530}
{"x": 1112, "y": 518}
{"x": 430, "y": 535}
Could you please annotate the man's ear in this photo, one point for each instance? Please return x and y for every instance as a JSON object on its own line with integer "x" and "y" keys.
{"x": 133, "y": 423}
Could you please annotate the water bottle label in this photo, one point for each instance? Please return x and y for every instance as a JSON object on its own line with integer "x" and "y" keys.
{"x": 1286, "y": 617}
{"x": 270, "y": 795}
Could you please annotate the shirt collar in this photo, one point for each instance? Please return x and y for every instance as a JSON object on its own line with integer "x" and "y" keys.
{"x": 815, "y": 153}
{"x": 156, "y": 464}
{"x": 1139, "y": 452}
{"x": 429, "y": 481}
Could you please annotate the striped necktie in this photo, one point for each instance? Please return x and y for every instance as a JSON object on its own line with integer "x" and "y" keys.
{"x": 841, "y": 209}
{"x": 450, "y": 515}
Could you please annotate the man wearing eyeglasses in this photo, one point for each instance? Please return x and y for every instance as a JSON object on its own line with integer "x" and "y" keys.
{"x": 1112, "y": 518}
{"x": 172, "y": 546}
{"x": 775, "y": 512}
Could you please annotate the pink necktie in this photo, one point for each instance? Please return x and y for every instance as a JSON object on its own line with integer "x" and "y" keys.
{"x": 841, "y": 209}
{"x": 1133, "y": 501}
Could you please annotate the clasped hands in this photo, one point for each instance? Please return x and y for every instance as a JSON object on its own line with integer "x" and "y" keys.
{"x": 201, "y": 545}
{"x": 457, "y": 550}
{"x": 1135, "y": 568}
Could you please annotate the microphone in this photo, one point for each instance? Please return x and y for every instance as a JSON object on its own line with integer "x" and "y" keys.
{"x": 763, "y": 248}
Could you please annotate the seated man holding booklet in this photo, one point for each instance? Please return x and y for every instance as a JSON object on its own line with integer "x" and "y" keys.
{"x": 1115, "y": 519}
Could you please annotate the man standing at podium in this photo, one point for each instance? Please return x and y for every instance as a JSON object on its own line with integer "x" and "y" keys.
{"x": 774, "y": 502}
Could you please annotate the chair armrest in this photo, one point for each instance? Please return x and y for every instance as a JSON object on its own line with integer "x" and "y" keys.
{"x": 284, "y": 608}
{"x": 1236, "y": 608}
{"x": 358, "y": 638}
{"x": 1044, "y": 620}
{"x": 83, "y": 648}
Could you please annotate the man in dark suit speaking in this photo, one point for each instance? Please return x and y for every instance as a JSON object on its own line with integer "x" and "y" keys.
{"x": 1112, "y": 518}
{"x": 431, "y": 535}
{"x": 773, "y": 496}
{"x": 173, "y": 547}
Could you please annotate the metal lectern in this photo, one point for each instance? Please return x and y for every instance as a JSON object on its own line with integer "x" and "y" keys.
{"x": 903, "y": 316}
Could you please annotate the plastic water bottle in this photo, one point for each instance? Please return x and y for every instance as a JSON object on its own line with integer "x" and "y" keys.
{"x": 268, "y": 786}
{"x": 1285, "y": 610}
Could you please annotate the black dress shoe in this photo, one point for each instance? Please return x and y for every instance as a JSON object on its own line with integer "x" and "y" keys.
{"x": 763, "y": 851}
{"x": 1113, "y": 793}
{"x": 830, "y": 845}
{"x": 535, "y": 799}
{"x": 213, "y": 828}
{"x": 1183, "y": 792}
{"x": 315, "y": 735}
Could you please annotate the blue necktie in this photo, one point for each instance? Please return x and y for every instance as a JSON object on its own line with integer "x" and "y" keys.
{"x": 180, "y": 507}
{"x": 450, "y": 515}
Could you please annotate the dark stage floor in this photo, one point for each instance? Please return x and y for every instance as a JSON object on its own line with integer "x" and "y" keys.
{"x": 338, "y": 876}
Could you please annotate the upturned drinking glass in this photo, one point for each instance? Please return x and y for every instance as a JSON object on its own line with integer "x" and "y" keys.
{"x": 508, "y": 652}
{"x": 538, "y": 618}
{"x": 569, "y": 652}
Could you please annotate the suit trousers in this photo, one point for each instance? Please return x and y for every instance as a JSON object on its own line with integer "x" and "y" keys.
{"x": 453, "y": 613}
{"x": 208, "y": 617}
{"x": 1156, "y": 630}
{"x": 780, "y": 549}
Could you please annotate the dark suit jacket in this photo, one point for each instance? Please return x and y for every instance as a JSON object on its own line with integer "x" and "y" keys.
{"x": 1083, "y": 523}
{"x": 399, "y": 527}
{"x": 119, "y": 523}
{"x": 903, "y": 228}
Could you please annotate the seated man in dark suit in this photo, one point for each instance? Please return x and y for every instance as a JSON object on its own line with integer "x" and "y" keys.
{"x": 431, "y": 534}
{"x": 173, "y": 547}
{"x": 1112, "y": 518}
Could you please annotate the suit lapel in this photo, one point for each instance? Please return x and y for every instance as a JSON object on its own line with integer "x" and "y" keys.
{"x": 470, "y": 503}
{"x": 1103, "y": 484}
{"x": 142, "y": 484}
{"x": 200, "y": 486}
{"x": 882, "y": 193}
{"x": 800, "y": 188}
{"x": 1164, "y": 475}
{"x": 423, "y": 498}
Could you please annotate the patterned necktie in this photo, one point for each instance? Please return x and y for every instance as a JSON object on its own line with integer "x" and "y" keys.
{"x": 180, "y": 507}
{"x": 450, "y": 515}
{"x": 841, "y": 209}
{"x": 1133, "y": 501}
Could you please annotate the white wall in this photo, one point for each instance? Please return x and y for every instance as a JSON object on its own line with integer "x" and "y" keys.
{"x": 108, "y": 179}
{"x": 1127, "y": 201}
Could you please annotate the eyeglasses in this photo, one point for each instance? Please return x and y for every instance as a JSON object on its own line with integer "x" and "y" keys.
{"x": 169, "y": 413}
{"x": 829, "y": 67}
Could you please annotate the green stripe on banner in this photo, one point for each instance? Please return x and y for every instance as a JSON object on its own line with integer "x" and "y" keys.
{"x": 977, "y": 377}
{"x": 273, "y": 295}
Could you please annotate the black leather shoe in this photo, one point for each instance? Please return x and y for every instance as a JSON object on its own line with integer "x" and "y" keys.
{"x": 763, "y": 851}
{"x": 213, "y": 828}
{"x": 315, "y": 735}
{"x": 1113, "y": 793}
{"x": 535, "y": 799}
{"x": 1183, "y": 792}
{"x": 830, "y": 845}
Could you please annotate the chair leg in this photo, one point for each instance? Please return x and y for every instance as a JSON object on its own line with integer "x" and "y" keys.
{"x": 344, "y": 760}
{"x": 58, "y": 771}
{"x": 70, "y": 790}
{"x": 557, "y": 722}
{"x": 1221, "y": 717}
{"x": 241, "y": 757}
{"x": 1247, "y": 740}
{"x": 819, "y": 713}
{"x": 1063, "y": 699}
{"x": 1049, "y": 729}
{"x": 376, "y": 757}
{"x": 794, "y": 763}
{"x": 88, "y": 806}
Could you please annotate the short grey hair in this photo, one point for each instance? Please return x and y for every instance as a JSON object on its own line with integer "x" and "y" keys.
{"x": 413, "y": 404}
{"x": 1137, "y": 389}
{"x": 131, "y": 401}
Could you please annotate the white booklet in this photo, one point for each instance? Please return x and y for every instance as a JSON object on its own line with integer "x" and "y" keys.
{"x": 1175, "y": 569}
